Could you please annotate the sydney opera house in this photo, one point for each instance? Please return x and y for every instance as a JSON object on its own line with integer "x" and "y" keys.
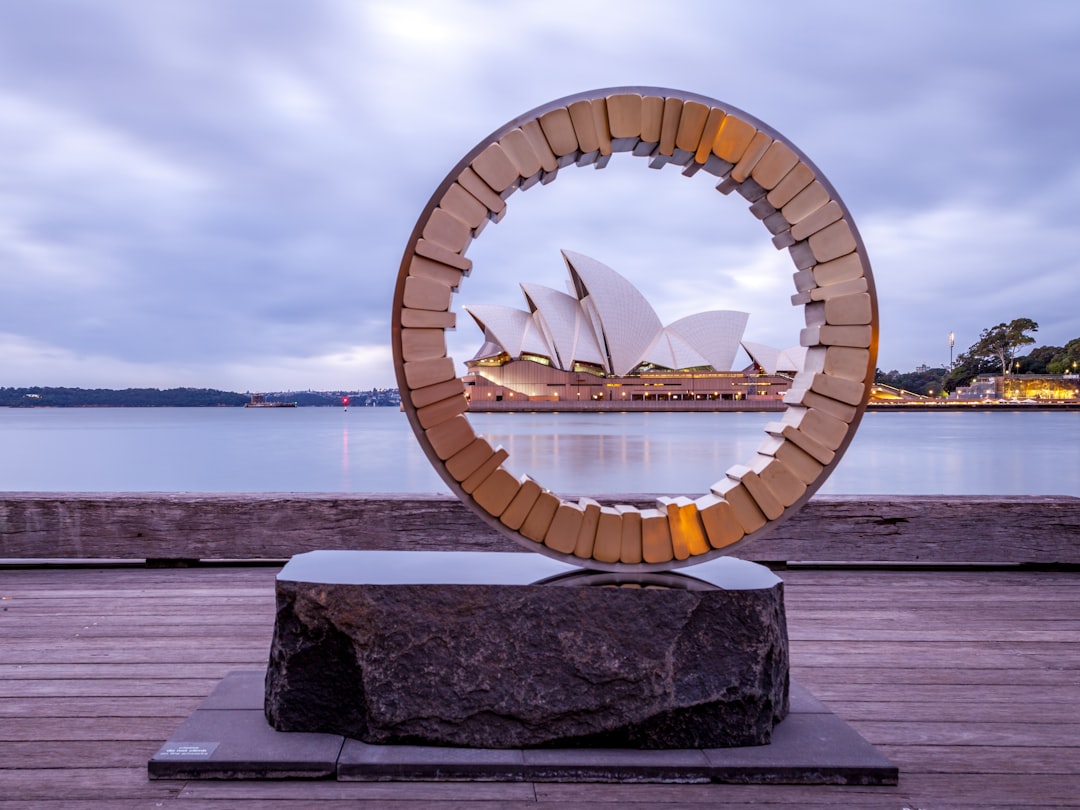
{"x": 602, "y": 345}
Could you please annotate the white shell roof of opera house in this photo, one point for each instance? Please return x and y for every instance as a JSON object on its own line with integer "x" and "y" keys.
{"x": 605, "y": 321}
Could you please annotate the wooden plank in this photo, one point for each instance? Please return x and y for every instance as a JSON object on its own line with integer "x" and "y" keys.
{"x": 791, "y": 184}
{"x": 436, "y": 271}
{"x": 688, "y": 535}
{"x": 692, "y": 122}
{"x": 801, "y": 395}
{"x": 427, "y": 293}
{"x": 718, "y": 518}
{"x": 447, "y": 231}
{"x": 238, "y": 526}
{"x": 805, "y": 467}
{"x": 733, "y": 138}
{"x": 656, "y": 540}
{"x": 804, "y": 204}
{"x": 746, "y": 508}
{"x": 855, "y": 285}
{"x": 818, "y": 425}
{"x": 759, "y": 144}
{"x": 485, "y": 194}
{"x": 301, "y": 793}
{"x": 426, "y": 373}
{"x": 652, "y": 119}
{"x": 441, "y": 254}
{"x": 847, "y": 391}
{"x": 482, "y": 472}
{"x": 558, "y": 128}
{"x": 767, "y": 500}
{"x": 549, "y": 163}
{"x": 608, "y": 542}
{"x": 448, "y": 437}
{"x": 538, "y": 520}
{"x": 603, "y": 130}
{"x": 562, "y": 534}
{"x": 495, "y": 493}
{"x": 832, "y": 241}
{"x": 925, "y": 664}
{"x": 587, "y": 534}
{"x": 422, "y": 344}
{"x": 774, "y": 164}
{"x": 495, "y": 168}
{"x": 463, "y": 205}
{"x": 630, "y": 542}
{"x": 469, "y": 459}
{"x": 515, "y": 513}
{"x": 810, "y": 224}
{"x": 428, "y": 319}
{"x": 670, "y": 125}
{"x": 624, "y": 115}
{"x": 439, "y": 391}
{"x": 519, "y": 149}
{"x": 584, "y": 124}
{"x": 940, "y": 792}
{"x": 848, "y": 310}
{"x": 30, "y": 687}
{"x": 856, "y": 337}
{"x": 704, "y": 153}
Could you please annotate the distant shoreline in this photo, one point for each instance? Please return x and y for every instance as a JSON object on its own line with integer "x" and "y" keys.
{"x": 44, "y": 397}
{"x": 771, "y": 407}
{"x": 544, "y": 407}
{"x": 61, "y": 397}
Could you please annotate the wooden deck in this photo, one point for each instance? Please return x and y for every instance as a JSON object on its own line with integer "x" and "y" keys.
{"x": 968, "y": 679}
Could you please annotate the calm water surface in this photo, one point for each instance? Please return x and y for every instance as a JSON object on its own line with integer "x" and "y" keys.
{"x": 373, "y": 450}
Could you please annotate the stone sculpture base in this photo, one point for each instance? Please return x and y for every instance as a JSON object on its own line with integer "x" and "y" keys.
{"x": 489, "y": 650}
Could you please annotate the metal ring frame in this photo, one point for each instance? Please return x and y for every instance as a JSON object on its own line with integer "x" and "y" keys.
{"x": 803, "y": 214}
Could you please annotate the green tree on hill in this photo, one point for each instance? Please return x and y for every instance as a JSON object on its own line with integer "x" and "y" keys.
{"x": 1037, "y": 361}
{"x": 992, "y": 353}
{"x": 927, "y": 383}
{"x": 1001, "y": 342}
{"x": 1067, "y": 360}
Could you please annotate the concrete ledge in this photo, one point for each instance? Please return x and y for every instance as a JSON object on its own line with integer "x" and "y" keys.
{"x": 228, "y": 737}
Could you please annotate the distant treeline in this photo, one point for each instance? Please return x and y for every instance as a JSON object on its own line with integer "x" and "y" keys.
{"x": 112, "y": 398}
{"x": 41, "y": 397}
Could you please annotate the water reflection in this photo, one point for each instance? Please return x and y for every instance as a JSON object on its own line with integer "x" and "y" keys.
{"x": 374, "y": 450}
{"x": 624, "y": 452}
{"x": 346, "y": 483}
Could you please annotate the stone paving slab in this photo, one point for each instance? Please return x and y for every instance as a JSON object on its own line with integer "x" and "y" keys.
{"x": 228, "y": 737}
{"x": 240, "y": 744}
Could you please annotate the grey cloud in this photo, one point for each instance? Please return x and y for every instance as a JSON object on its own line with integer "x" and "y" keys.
{"x": 236, "y": 181}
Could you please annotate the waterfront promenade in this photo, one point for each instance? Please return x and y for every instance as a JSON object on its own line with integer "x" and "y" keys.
{"x": 962, "y": 666}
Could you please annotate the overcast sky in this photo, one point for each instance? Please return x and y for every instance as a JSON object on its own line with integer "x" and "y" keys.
{"x": 217, "y": 193}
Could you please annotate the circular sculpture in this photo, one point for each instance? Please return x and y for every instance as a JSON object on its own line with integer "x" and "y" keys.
{"x": 801, "y": 212}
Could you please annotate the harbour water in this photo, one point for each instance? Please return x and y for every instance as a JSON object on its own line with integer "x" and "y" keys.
{"x": 374, "y": 450}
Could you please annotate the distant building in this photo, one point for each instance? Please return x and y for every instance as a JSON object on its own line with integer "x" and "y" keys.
{"x": 601, "y": 344}
{"x": 1037, "y": 387}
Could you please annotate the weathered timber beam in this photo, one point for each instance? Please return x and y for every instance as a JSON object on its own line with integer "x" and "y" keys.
{"x": 902, "y": 529}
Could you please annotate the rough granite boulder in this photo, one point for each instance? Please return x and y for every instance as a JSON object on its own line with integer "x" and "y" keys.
{"x": 509, "y": 665}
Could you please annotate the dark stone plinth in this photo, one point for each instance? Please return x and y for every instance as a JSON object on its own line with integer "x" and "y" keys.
{"x": 228, "y": 737}
{"x": 468, "y": 649}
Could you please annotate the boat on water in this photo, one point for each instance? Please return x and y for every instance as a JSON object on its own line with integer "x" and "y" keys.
{"x": 259, "y": 401}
